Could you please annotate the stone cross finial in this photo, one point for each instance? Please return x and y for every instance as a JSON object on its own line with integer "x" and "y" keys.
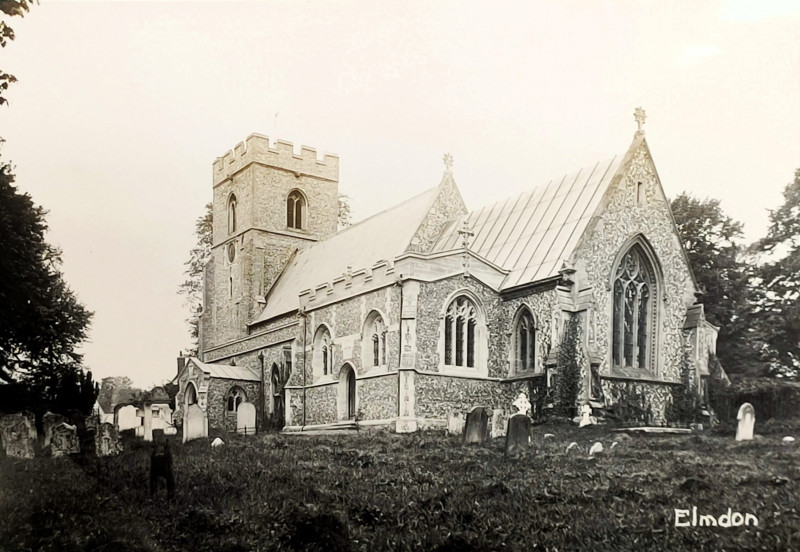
{"x": 448, "y": 163}
{"x": 639, "y": 115}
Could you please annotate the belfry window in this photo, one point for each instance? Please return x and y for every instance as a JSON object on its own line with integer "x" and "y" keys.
{"x": 295, "y": 210}
{"x": 460, "y": 325}
{"x": 231, "y": 214}
{"x": 634, "y": 311}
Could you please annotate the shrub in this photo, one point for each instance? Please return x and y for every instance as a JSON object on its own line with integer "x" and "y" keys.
{"x": 569, "y": 369}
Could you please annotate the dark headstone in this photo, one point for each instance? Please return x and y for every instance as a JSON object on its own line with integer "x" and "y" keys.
{"x": 161, "y": 467}
{"x": 18, "y": 434}
{"x": 49, "y": 422}
{"x": 64, "y": 440}
{"x": 476, "y": 428}
{"x": 518, "y": 435}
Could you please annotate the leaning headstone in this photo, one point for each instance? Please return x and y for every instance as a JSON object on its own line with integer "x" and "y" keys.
{"x": 571, "y": 446}
{"x": 195, "y": 424}
{"x": 246, "y": 419}
{"x": 49, "y": 423}
{"x": 65, "y": 440}
{"x": 499, "y": 423}
{"x": 518, "y": 437}
{"x": 107, "y": 441}
{"x": 476, "y": 428}
{"x": 18, "y": 434}
{"x": 747, "y": 419}
{"x": 455, "y": 423}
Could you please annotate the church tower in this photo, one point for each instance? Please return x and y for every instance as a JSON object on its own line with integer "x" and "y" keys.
{"x": 268, "y": 202}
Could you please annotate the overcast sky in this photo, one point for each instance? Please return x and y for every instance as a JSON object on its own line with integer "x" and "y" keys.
{"x": 121, "y": 109}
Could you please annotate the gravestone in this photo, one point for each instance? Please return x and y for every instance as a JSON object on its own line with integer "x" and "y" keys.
{"x": 522, "y": 404}
{"x": 747, "y": 419}
{"x": 476, "y": 428}
{"x": 596, "y": 448}
{"x": 65, "y": 440}
{"x": 586, "y": 416}
{"x": 217, "y": 442}
{"x": 246, "y": 419}
{"x": 499, "y": 423}
{"x": 18, "y": 434}
{"x": 170, "y": 430}
{"x": 107, "y": 441}
{"x": 455, "y": 423}
{"x": 195, "y": 424}
{"x": 49, "y": 423}
{"x": 518, "y": 436}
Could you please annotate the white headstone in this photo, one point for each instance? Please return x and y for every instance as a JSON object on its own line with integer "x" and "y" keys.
{"x": 548, "y": 435}
{"x": 522, "y": 404}
{"x": 499, "y": 423}
{"x": 455, "y": 423}
{"x": 195, "y": 424}
{"x": 217, "y": 442}
{"x": 747, "y": 419}
{"x": 788, "y": 440}
{"x": 246, "y": 419}
{"x": 572, "y": 445}
{"x": 597, "y": 448}
{"x": 586, "y": 416}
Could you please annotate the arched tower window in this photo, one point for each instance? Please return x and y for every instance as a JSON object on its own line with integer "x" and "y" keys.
{"x": 635, "y": 311}
{"x": 234, "y": 398}
{"x": 524, "y": 343}
{"x": 295, "y": 210}
{"x": 461, "y": 334}
{"x": 231, "y": 214}
{"x": 374, "y": 342}
{"x": 322, "y": 360}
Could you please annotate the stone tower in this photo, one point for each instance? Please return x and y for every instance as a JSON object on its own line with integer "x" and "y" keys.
{"x": 268, "y": 202}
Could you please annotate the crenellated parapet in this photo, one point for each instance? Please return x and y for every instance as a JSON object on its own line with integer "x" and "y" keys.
{"x": 256, "y": 149}
{"x": 351, "y": 283}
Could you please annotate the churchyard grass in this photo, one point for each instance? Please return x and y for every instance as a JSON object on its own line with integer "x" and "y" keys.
{"x": 381, "y": 491}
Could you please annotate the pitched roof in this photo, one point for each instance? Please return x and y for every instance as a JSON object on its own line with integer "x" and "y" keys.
{"x": 226, "y": 371}
{"x": 531, "y": 234}
{"x": 381, "y": 237}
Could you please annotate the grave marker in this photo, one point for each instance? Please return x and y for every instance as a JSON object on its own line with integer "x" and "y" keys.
{"x": 107, "y": 441}
{"x": 499, "y": 423}
{"x": 518, "y": 436}
{"x": 65, "y": 440}
{"x": 747, "y": 419}
{"x": 18, "y": 434}
{"x": 476, "y": 428}
{"x": 455, "y": 423}
{"x": 246, "y": 419}
{"x": 195, "y": 423}
{"x": 49, "y": 423}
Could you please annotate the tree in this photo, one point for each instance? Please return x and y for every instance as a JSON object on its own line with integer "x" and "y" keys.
{"x": 192, "y": 287}
{"x": 9, "y": 8}
{"x": 779, "y": 281}
{"x": 41, "y": 320}
{"x": 712, "y": 241}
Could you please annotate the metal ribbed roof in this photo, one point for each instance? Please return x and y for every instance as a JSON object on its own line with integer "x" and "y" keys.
{"x": 531, "y": 234}
{"x": 381, "y": 237}
{"x": 227, "y": 371}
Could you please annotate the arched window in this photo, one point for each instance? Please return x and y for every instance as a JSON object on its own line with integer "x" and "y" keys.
{"x": 231, "y": 214}
{"x": 524, "y": 343}
{"x": 322, "y": 361}
{"x": 634, "y": 311}
{"x": 295, "y": 210}
{"x": 460, "y": 333}
{"x": 234, "y": 398}
{"x": 374, "y": 343}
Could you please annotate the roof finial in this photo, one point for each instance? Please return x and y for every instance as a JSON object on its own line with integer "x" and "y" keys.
{"x": 448, "y": 163}
{"x": 639, "y": 115}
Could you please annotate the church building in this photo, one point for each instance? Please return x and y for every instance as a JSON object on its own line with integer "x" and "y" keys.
{"x": 429, "y": 308}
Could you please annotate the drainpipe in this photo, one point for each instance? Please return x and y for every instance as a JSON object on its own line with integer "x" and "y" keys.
{"x": 303, "y": 313}
{"x": 261, "y": 391}
{"x": 399, "y": 282}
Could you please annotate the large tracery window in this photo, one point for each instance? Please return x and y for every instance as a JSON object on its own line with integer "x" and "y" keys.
{"x": 295, "y": 205}
{"x": 634, "y": 311}
{"x": 460, "y": 324}
{"x": 524, "y": 343}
